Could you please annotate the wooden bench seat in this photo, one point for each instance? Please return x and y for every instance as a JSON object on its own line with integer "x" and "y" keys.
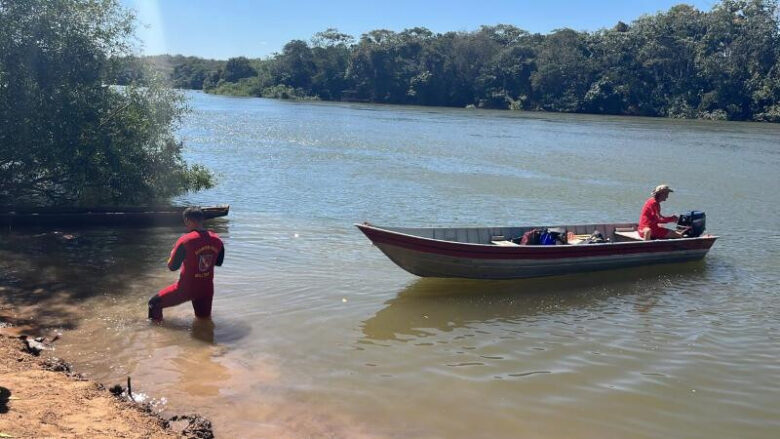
{"x": 504, "y": 243}
{"x": 623, "y": 236}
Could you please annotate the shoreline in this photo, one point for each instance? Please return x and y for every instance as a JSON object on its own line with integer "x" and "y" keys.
{"x": 41, "y": 396}
{"x": 531, "y": 112}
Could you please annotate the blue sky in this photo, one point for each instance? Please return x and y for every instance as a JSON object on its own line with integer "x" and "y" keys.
{"x": 258, "y": 28}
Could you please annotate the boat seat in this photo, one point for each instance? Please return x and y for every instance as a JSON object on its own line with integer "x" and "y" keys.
{"x": 504, "y": 243}
{"x": 632, "y": 235}
{"x": 573, "y": 239}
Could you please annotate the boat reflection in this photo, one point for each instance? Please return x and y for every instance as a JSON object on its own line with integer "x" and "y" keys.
{"x": 428, "y": 306}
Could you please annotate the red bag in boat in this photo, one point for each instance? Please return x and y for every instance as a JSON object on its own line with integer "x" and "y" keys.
{"x": 531, "y": 237}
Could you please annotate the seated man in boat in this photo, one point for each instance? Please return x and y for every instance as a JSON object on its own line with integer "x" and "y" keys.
{"x": 650, "y": 219}
{"x": 196, "y": 252}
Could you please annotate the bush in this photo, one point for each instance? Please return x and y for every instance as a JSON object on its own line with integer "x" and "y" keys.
{"x": 713, "y": 115}
{"x": 244, "y": 87}
{"x": 286, "y": 92}
{"x": 772, "y": 114}
{"x": 66, "y": 138}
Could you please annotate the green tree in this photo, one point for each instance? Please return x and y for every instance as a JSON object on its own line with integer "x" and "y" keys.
{"x": 238, "y": 68}
{"x": 373, "y": 67}
{"x": 505, "y": 80}
{"x": 294, "y": 67}
{"x": 620, "y": 84}
{"x": 330, "y": 55}
{"x": 737, "y": 57}
{"x": 667, "y": 47}
{"x": 67, "y": 138}
{"x": 564, "y": 71}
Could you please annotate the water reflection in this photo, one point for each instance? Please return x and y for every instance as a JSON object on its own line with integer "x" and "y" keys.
{"x": 428, "y": 306}
{"x": 203, "y": 330}
{"x": 219, "y": 332}
{"x": 183, "y": 356}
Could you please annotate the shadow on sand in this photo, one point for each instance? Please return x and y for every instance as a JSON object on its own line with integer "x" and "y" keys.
{"x": 45, "y": 275}
{"x": 5, "y": 396}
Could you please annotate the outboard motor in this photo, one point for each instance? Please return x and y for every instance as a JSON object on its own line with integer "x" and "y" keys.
{"x": 695, "y": 222}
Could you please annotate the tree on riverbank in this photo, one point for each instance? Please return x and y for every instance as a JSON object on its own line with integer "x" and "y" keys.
{"x": 719, "y": 64}
{"x": 66, "y": 136}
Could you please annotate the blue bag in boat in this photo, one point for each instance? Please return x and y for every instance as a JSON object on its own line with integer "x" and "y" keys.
{"x": 542, "y": 237}
{"x": 547, "y": 238}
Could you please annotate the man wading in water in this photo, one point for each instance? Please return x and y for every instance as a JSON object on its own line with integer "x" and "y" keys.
{"x": 196, "y": 252}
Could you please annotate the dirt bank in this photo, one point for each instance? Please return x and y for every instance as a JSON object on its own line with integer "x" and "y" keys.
{"x": 40, "y": 397}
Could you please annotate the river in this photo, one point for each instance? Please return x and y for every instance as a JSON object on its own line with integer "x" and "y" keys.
{"x": 317, "y": 334}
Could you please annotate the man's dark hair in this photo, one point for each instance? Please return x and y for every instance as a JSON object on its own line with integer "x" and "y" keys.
{"x": 194, "y": 214}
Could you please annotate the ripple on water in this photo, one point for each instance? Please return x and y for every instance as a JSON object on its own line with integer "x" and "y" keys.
{"x": 318, "y": 334}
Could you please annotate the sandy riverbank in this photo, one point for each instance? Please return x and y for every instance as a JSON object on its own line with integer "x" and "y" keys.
{"x": 41, "y": 397}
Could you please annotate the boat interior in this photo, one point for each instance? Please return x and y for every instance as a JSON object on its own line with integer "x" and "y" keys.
{"x": 511, "y": 236}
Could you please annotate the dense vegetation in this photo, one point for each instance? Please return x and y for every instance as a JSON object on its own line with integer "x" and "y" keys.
{"x": 719, "y": 64}
{"x": 66, "y": 137}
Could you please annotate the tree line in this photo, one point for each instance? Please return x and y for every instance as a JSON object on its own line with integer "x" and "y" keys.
{"x": 66, "y": 136}
{"x": 684, "y": 63}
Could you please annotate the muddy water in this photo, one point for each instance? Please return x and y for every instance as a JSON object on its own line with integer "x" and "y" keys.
{"x": 317, "y": 334}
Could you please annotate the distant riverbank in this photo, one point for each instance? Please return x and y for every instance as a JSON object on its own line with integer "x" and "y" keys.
{"x": 720, "y": 64}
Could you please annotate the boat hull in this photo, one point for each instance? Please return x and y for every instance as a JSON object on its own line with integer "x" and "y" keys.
{"x": 91, "y": 217}
{"x": 428, "y": 257}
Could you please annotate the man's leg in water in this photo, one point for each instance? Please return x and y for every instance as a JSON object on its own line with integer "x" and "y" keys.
{"x": 166, "y": 298}
{"x": 202, "y": 306}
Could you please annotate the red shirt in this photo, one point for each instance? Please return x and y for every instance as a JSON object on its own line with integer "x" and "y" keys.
{"x": 651, "y": 217}
{"x": 197, "y": 253}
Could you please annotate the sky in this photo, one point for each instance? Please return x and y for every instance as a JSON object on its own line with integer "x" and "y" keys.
{"x": 259, "y": 28}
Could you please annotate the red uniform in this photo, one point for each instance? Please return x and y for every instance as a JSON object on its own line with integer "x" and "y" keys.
{"x": 651, "y": 218}
{"x": 197, "y": 253}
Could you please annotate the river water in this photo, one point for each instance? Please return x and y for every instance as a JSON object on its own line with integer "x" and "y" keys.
{"x": 317, "y": 334}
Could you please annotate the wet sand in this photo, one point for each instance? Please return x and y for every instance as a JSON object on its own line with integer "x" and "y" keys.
{"x": 41, "y": 397}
